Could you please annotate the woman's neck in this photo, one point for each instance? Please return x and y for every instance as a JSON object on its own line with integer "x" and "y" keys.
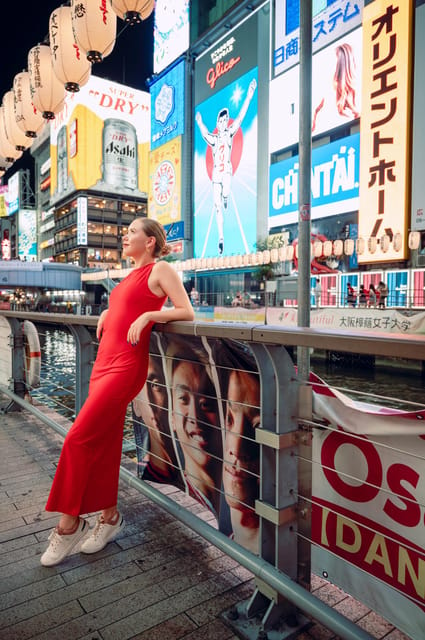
{"x": 142, "y": 262}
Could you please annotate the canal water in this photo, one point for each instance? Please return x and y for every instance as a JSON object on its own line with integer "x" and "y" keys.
{"x": 393, "y": 379}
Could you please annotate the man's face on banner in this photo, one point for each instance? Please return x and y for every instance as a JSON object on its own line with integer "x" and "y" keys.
{"x": 195, "y": 413}
{"x": 241, "y": 452}
{"x": 151, "y": 403}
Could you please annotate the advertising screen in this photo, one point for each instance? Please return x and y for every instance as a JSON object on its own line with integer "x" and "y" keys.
{"x": 101, "y": 141}
{"x": 385, "y": 128}
{"x": 171, "y": 32}
{"x": 331, "y": 20}
{"x": 3, "y": 201}
{"x": 335, "y": 100}
{"x": 164, "y": 203}
{"x": 167, "y": 97}
{"x": 27, "y": 234}
{"x": 334, "y": 182}
{"x": 13, "y": 185}
{"x": 225, "y": 173}
{"x": 418, "y": 138}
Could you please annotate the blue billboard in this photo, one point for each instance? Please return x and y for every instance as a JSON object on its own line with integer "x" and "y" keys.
{"x": 167, "y": 99}
{"x": 225, "y": 169}
{"x": 334, "y": 182}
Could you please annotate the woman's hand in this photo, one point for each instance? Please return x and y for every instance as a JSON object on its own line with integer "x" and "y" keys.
{"x": 100, "y": 322}
{"x": 136, "y": 328}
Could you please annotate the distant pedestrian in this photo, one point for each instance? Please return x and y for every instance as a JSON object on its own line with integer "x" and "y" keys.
{"x": 351, "y": 295}
{"x": 383, "y": 294}
{"x": 318, "y": 294}
{"x": 372, "y": 296}
{"x": 363, "y": 296}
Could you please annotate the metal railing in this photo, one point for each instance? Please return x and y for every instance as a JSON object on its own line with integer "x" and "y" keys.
{"x": 285, "y": 481}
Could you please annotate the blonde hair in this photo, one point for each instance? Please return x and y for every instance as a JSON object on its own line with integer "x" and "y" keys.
{"x": 153, "y": 229}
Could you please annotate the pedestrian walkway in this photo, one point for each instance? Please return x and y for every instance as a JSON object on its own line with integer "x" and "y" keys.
{"x": 158, "y": 580}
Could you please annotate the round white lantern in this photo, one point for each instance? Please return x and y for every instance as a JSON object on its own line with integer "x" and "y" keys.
{"x": 414, "y": 240}
{"x": 282, "y": 253}
{"x": 338, "y": 247}
{"x": 47, "y": 92}
{"x": 95, "y": 27}
{"x": 28, "y": 119}
{"x": 317, "y": 248}
{"x": 385, "y": 243}
{"x": 7, "y": 150}
{"x": 349, "y": 246}
{"x": 360, "y": 246}
{"x": 15, "y": 135}
{"x": 372, "y": 244}
{"x": 397, "y": 241}
{"x": 274, "y": 255}
{"x": 327, "y": 248}
{"x": 259, "y": 257}
{"x": 133, "y": 11}
{"x": 69, "y": 63}
{"x": 266, "y": 256}
{"x": 289, "y": 254}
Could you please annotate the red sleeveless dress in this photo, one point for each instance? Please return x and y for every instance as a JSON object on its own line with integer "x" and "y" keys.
{"x": 86, "y": 478}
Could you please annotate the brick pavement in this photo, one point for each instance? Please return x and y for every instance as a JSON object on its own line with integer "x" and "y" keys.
{"x": 158, "y": 580}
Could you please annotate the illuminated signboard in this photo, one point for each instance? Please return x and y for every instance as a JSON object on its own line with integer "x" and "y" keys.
{"x": 171, "y": 32}
{"x": 225, "y": 170}
{"x": 101, "y": 140}
{"x": 385, "y": 128}
{"x": 331, "y": 20}
{"x": 164, "y": 203}
{"x": 13, "y": 195}
{"x": 82, "y": 221}
{"x": 3, "y": 201}
{"x": 167, "y": 99}
{"x": 418, "y": 146}
{"x": 27, "y": 234}
{"x": 334, "y": 182}
{"x": 333, "y": 104}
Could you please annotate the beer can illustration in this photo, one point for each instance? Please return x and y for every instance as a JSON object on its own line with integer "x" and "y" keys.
{"x": 120, "y": 162}
{"x": 62, "y": 160}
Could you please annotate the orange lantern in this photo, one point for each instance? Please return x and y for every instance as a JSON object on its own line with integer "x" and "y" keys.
{"x": 133, "y": 11}
{"x": 7, "y": 150}
{"x": 95, "y": 27}
{"x": 69, "y": 64}
{"x": 27, "y": 117}
{"x": 15, "y": 135}
{"x": 47, "y": 92}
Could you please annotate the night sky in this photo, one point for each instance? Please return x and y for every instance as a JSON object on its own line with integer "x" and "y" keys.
{"x": 24, "y": 24}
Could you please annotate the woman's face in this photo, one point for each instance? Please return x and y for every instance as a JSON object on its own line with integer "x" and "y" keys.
{"x": 135, "y": 242}
{"x": 195, "y": 413}
{"x": 241, "y": 452}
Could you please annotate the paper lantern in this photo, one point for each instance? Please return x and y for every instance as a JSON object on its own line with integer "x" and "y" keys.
{"x": 296, "y": 249}
{"x": 7, "y": 150}
{"x": 220, "y": 262}
{"x": 282, "y": 253}
{"x": 349, "y": 247}
{"x": 215, "y": 263}
{"x": 414, "y": 240}
{"x": 28, "y": 118}
{"x": 338, "y": 247}
{"x": 233, "y": 261}
{"x": 397, "y": 241}
{"x": 47, "y": 92}
{"x": 259, "y": 257}
{"x": 372, "y": 244}
{"x": 266, "y": 256}
{"x": 274, "y": 255}
{"x": 133, "y": 11}
{"x": 209, "y": 263}
{"x": 14, "y": 133}
{"x": 69, "y": 63}
{"x": 360, "y": 246}
{"x": 317, "y": 248}
{"x": 4, "y": 165}
{"x": 289, "y": 254}
{"x": 239, "y": 260}
{"x": 385, "y": 243}
{"x": 95, "y": 27}
{"x": 327, "y": 248}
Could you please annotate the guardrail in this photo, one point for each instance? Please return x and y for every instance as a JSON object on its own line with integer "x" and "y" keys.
{"x": 298, "y": 475}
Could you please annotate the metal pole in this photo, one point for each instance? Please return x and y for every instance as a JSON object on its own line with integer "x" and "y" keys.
{"x": 304, "y": 214}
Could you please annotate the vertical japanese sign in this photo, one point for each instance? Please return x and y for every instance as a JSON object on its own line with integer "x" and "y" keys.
{"x": 82, "y": 221}
{"x": 3, "y": 201}
{"x": 27, "y": 235}
{"x": 385, "y": 126}
{"x": 167, "y": 99}
{"x": 165, "y": 183}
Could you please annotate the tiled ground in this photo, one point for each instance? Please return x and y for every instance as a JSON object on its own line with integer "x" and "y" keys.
{"x": 158, "y": 580}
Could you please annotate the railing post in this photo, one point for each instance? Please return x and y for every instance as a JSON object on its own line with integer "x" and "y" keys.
{"x": 16, "y": 343}
{"x": 84, "y": 362}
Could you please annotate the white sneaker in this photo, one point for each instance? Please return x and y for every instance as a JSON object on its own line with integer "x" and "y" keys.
{"x": 61, "y": 545}
{"x": 102, "y": 534}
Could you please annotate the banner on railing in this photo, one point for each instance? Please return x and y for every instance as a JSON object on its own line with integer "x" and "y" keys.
{"x": 195, "y": 425}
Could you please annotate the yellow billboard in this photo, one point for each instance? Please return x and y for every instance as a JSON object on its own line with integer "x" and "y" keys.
{"x": 385, "y": 129}
{"x": 164, "y": 202}
{"x": 100, "y": 141}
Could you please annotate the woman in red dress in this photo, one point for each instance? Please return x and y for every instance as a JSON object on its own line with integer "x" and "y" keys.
{"x": 87, "y": 475}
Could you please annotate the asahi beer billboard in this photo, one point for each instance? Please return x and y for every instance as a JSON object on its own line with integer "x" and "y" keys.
{"x": 225, "y": 145}
{"x": 100, "y": 141}
{"x": 331, "y": 20}
{"x": 199, "y": 421}
{"x": 171, "y": 32}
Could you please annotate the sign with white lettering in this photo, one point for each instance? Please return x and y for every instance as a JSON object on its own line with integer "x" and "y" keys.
{"x": 171, "y": 32}
{"x": 167, "y": 94}
{"x": 331, "y": 20}
{"x": 334, "y": 182}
